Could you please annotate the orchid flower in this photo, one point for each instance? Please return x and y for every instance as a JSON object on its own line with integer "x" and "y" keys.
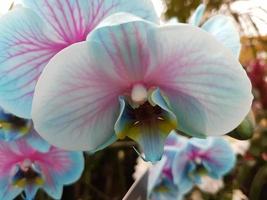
{"x": 211, "y": 157}
{"x": 23, "y": 168}
{"x": 133, "y": 78}
{"x": 31, "y": 35}
{"x": 14, "y": 128}
{"x": 220, "y": 26}
{"x": 186, "y": 163}
{"x": 161, "y": 184}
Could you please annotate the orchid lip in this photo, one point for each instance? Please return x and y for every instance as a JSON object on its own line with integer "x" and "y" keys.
{"x": 27, "y": 173}
{"x": 148, "y": 123}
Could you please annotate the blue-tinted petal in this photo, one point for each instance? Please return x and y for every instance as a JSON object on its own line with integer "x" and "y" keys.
{"x": 30, "y": 192}
{"x": 35, "y": 140}
{"x": 181, "y": 169}
{"x": 66, "y": 169}
{"x": 81, "y": 113}
{"x": 7, "y": 191}
{"x": 154, "y": 174}
{"x": 219, "y": 159}
{"x": 150, "y": 133}
{"x": 25, "y": 48}
{"x": 106, "y": 144}
{"x": 223, "y": 28}
{"x": 195, "y": 19}
{"x": 175, "y": 140}
{"x": 202, "y": 87}
{"x": 72, "y": 20}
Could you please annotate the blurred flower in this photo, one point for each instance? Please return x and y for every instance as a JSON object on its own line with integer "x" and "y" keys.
{"x": 137, "y": 79}
{"x": 190, "y": 162}
{"x": 14, "y": 128}
{"x": 31, "y": 35}
{"x": 239, "y": 146}
{"x": 160, "y": 182}
{"x": 196, "y": 195}
{"x": 239, "y": 195}
{"x": 210, "y": 185}
{"x": 23, "y": 168}
{"x": 257, "y": 72}
{"x": 212, "y": 157}
{"x": 221, "y": 27}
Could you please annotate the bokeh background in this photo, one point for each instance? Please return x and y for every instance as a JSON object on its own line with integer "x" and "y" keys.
{"x": 108, "y": 173}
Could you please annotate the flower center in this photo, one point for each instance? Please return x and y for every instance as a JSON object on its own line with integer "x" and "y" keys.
{"x": 139, "y": 94}
{"x": 146, "y": 113}
{"x": 27, "y": 173}
{"x": 200, "y": 169}
{"x": 12, "y": 124}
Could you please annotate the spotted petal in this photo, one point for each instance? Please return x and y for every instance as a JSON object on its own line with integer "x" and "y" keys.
{"x": 209, "y": 90}
{"x": 223, "y": 28}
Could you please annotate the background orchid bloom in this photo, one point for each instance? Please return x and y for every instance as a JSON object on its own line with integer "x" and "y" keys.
{"x": 23, "y": 168}
{"x": 140, "y": 80}
{"x": 221, "y": 27}
{"x": 186, "y": 163}
{"x": 211, "y": 157}
{"x": 30, "y": 36}
{"x": 14, "y": 128}
{"x": 160, "y": 183}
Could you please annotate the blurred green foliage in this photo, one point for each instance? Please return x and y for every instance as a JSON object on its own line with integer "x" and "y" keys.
{"x": 182, "y": 9}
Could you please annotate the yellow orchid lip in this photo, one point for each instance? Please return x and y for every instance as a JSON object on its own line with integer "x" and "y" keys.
{"x": 27, "y": 176}
{"x": 148, "y": 124}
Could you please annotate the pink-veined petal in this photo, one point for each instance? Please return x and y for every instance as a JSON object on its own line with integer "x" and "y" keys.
{"x": 25, "y": 48}
{"x": 26, "y": 43}
{"x": 208, "y": 88}
{"x": 60, "y": 168}
{"x": 81, "y": 113}
{"x": 7, "y": 160}
{"x": 72, "y": 20}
